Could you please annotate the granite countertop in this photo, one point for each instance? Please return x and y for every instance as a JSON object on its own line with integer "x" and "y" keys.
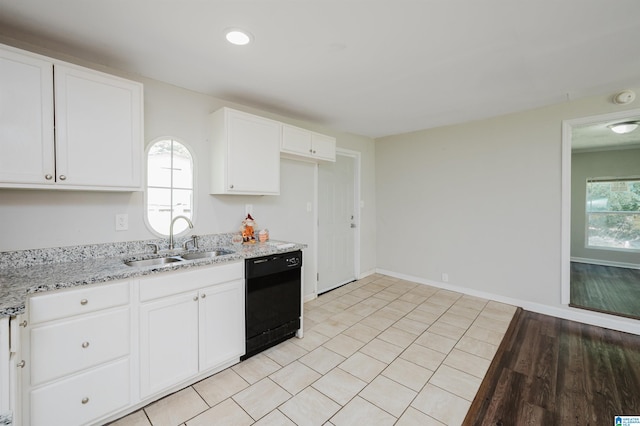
{"x": 6, "y": 419}
{"x": 21, "y": 273}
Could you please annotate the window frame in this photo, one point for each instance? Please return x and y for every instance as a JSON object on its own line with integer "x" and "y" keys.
{"x": 146, "y": 187}
{"x": 621, "y": 213}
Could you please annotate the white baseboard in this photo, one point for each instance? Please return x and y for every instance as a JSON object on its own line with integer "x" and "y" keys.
{"x": 605, "y": 263}
{"x": 612, "y": 322}
{"x": 366, "y": 274}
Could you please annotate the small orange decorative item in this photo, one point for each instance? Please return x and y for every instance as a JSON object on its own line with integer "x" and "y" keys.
{"x": 248, "y": 226}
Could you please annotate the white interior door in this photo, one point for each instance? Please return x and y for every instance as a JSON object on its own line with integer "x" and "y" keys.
{"x": 336, "y": 222}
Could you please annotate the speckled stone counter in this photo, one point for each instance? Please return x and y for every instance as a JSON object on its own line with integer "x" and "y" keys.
{"x": 30, "y": 271}
{"x": 6, "y": 419}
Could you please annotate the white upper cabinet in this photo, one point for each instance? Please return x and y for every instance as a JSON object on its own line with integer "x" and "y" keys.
{"x": 98, "y": 129}
{"x": 245, "y": 154}
{"x": 26, "y": 119}
{"x": 98, "y": 139}
{"x": 307, "y": 145}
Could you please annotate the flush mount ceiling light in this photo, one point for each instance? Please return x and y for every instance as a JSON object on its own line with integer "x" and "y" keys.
{"x": 237, "y": 36}
{"x": 624, "y": 127}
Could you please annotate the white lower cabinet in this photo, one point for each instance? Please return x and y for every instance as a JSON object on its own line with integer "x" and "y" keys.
{"x": 67, "y": 347}
{"x": 91, "y": 354}
{"x": 189, "y": 333}
{"x": 221, "y": 324}
{"x": 168, "y": 342}
{"x": 76, "y": 355}
{"x": 82, "y": 398}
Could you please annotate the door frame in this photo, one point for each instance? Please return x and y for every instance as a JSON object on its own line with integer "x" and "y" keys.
{"x": 357, "y": 206}
{"x": 565, "y": 244}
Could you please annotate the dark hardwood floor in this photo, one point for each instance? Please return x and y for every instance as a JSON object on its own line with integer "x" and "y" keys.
{"x": 606, "y": 289}
{"x": 550, "y": 371}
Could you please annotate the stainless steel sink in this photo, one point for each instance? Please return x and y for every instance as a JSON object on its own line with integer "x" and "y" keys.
{"x": 205, "y": 254}
{"x": 154, "y": 262}
{"x": 159, "y": 261}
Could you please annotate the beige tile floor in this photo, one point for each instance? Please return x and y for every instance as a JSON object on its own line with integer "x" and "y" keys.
{"x": 378, "y": 351}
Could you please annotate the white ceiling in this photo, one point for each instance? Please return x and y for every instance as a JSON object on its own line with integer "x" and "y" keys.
{"x": 600, "y": 137}
{"x": 370, "y": 67}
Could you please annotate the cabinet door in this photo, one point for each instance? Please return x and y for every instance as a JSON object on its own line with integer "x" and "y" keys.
{"x": 26, "y": 119}
{"x": 253, "y": 154}
{"x": 323, "y": 146}
{"x": 221, "y": 324}
{"x": 168, "y": 342}
{"x": 98, "y": 129}
{"x": 296, "y": 140}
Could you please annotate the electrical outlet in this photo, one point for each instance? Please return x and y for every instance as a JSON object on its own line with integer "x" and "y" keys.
{"x": 122, "y": 222}
{"x": 445, "y": 277}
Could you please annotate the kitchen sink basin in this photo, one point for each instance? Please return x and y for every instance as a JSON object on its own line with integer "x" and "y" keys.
{"x": 153, "y": 262}
{"x": 206, "y": 254}
{"x": 159, "y": 261}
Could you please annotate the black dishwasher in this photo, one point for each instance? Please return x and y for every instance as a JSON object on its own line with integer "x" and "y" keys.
{"x": 273, "y": 300}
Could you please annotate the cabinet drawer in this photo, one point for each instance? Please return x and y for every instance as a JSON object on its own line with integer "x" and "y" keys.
{"x": 78, "y": 344}
{"x": 82, "y": 398}
{"x": 66, "y": 303}
{"x": 180, "y": 281}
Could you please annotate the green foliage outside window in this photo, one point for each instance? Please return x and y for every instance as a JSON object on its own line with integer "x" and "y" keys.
{"x": 613, "y": 214}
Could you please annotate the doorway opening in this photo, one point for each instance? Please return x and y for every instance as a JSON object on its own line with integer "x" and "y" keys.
{"x": 600, "y": 263}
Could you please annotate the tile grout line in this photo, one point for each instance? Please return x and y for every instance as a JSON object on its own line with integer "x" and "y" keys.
{"x": 395, "y": 310}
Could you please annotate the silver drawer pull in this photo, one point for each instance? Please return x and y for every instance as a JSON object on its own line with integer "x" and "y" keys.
{"x": 85, "y": 400}
{"x": 21, "y": 364}
{"x": 85, "y": 344}
{"x": 63, "y": 177}
{"x": 48, "y": 177}
{"x": 84, "y": 301}
{"x": 23, "y": 323}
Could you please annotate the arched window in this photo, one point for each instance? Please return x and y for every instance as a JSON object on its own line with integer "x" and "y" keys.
{"x": 169, "y": 185}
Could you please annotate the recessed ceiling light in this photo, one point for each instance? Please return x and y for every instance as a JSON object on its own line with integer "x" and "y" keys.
{"x": 237, "y": 36}
{"x": 625, "y": 127}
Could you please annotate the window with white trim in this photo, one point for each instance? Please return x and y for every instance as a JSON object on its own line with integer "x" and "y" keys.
{"x": 169, "y": 185}
{"x": 613, "y": 213}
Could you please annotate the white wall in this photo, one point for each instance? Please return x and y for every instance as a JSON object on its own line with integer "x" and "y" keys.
{"x": 38, "y": 219}
{"x": 481, "y": 202}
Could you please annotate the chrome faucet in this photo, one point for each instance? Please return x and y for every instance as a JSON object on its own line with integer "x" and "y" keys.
{"x": 171, "y": 228}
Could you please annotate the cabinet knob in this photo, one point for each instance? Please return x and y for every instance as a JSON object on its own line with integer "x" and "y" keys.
{"x": 48, "y": 177}
{"x": 21, "y": 364}
{"x": 203, "y": 295}
{"x": 313, "y": 152}
{"x": 23, "y": 323}
{"x": 85, "y": 345}
{"x": 230, "y": 186}
{"x": 195, "y": 298}
{"x": 84, "y": 301}
{"x": 63, "y": 177}
{"x": 85, "y": 400}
